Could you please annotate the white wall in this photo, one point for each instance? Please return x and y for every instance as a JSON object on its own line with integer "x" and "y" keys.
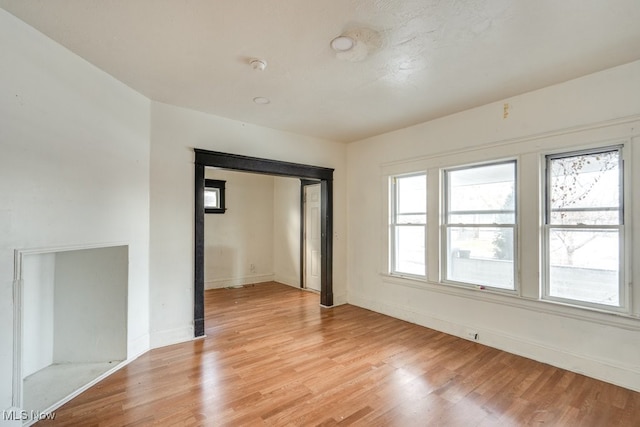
{"x": 261, "y": 228}
{"x": 90, "y": 305}
{"x": 239, "y": 243}
{"x": 286, "y": 231}
{"x": 74, "y": 169}
{"x": 598, "y": 108}
{"x": 38, "y": 272}
{"x": 174, "y": 133}
{"x": 77, "y": 169}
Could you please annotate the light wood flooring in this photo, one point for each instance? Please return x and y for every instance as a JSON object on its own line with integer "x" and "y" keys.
{"x": 273, "y": 356}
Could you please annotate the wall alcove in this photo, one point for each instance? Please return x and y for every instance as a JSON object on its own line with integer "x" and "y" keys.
{"x": 71, "y": 326}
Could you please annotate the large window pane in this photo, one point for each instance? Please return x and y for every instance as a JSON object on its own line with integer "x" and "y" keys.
{"x": 585, "y": 189}
{"x": 411, "y": 196}
{"x": 480, "y": 225}
{"x": 481, "y": 255}
{"x": 584, "y": 225}
{"x": 584, "y": 264}
{"x": 481, "y": 195}
{"x": 410, "y": 253}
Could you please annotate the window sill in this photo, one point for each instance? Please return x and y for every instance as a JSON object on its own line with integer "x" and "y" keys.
{"x": 409, "y": 278}
{"x": 214, "y": 210}
{"x": 512, "y": 299}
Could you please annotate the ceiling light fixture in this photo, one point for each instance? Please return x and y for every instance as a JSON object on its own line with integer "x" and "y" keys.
{"x": 342, "y": 43}
{"x": 258, "y": 64}
{"x": 261, "y": 100}
{"x": 356, "y": 44}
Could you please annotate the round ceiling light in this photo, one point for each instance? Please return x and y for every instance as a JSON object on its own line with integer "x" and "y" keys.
{"x": 356, "y": 44}
{"x": 342, "y": 43}
{"x": 258, "y": 64}
{"x": 261, "y": 100}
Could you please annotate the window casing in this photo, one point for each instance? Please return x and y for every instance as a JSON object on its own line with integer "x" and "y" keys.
{"x": 214, "y": 196}
{"x": 479, "y": 229}
{"x": 408, "y": 225}
{"x": 584, "y": 228}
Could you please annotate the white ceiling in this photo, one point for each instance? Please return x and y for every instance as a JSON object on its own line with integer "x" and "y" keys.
{"x": 437, "y": 56}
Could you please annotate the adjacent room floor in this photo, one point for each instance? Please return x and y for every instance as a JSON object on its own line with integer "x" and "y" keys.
{"x": 273, "y": 356}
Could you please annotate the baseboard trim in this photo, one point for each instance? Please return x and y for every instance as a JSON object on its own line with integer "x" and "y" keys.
{"x": 289, "y": 281}
{"x": 138, "y": 346}
{"x": 340, "y": 299}
{"x": 171, "y": 336}
{"x": 238, "y": 281}
{"x": 82, "y": 389}
{"x": 623, "y": 376}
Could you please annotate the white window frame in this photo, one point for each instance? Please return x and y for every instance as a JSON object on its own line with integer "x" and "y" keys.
{"x": 393, "y": 225}
{"x": 444, "y": 231}
{"x": 547, "y": 227}
{"x": 215, "y": 191}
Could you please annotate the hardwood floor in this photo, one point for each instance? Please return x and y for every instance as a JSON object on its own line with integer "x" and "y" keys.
{"x": 272, "y": 356}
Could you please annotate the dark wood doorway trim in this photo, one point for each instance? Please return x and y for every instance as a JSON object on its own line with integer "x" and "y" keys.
{"x": 204, "y": 158}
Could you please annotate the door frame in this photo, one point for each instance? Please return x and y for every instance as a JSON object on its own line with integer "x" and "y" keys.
{"x": 204, "y": 158}
{"x": 303, "y": 184}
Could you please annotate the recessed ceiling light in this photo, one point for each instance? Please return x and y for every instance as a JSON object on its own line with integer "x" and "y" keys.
{"x": 261, "y": 100}
{"x": 342, "y": 43}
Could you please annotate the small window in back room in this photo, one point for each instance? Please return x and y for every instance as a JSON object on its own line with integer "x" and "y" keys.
{"x": 214, "y": 196}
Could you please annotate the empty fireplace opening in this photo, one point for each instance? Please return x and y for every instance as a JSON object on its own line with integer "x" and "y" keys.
{"x": 73, "y": 321}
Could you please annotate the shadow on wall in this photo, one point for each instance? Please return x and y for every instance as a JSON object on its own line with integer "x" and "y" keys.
{"x": 221, "y": 266}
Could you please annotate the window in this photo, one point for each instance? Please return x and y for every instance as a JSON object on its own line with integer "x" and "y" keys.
{"x": 480, "y": 225}
{"x": 408, "y": 225}
{"x": 583, "y": 227}
{"x": 214, "y": 196}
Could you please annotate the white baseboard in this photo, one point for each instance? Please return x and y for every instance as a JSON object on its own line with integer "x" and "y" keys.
{"x": 238, "y": 281}
{"x": 340, "y": 299}
{"x": 138, "y": 346}
{"x": 623, "y": 376}
{"x": 171, "y": 336}
{"x": 294, "y": 282}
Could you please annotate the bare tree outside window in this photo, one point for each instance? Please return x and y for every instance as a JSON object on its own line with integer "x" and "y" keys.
{"x": 584, "y": 190}
{"x": 584, "y": 215}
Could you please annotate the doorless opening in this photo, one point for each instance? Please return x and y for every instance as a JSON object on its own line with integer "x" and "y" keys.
{"x": 204, "y": 158}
